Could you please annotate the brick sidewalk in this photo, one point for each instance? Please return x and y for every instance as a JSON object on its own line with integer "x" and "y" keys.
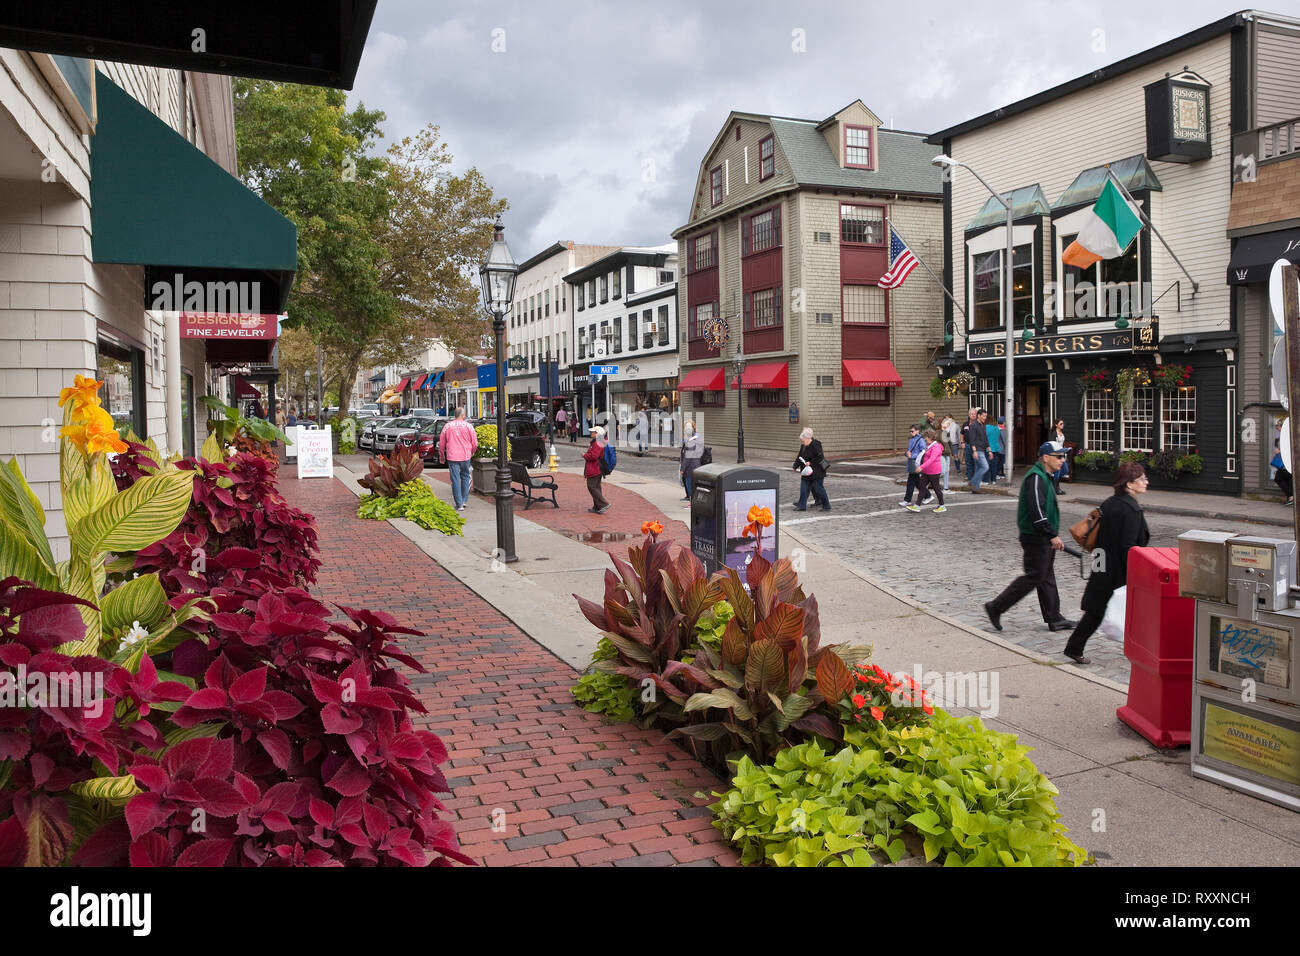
{"x": 572, "y": 790}
{"x": 626, "y": 513}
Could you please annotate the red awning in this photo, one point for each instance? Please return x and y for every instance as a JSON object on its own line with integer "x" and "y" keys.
{"x": 237, "y": 351}
{"x": 401, "y": 386}
{"x": 870, "y": 373}
{"x": 703, "y": 380}
{"x": 244, "y": 390}
{"x": 419, "y": 382}
{"x": 767, "y": 375}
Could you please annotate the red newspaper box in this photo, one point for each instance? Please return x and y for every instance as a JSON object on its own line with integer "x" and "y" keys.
{"x": 1159, "y": 637}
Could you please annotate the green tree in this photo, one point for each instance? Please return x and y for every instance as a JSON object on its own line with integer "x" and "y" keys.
{"x": 387, "y": 245}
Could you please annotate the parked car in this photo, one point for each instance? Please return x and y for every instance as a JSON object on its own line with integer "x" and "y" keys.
{"x": 425, "y": 441}
{"x": 366, "y": 436}
{"x": 368, "y": 410}
{"x": 527, "y": 443}
{"x": 536, "y": 417}
{"x": 387, "y": 436}
{"x": 423, "y": 413}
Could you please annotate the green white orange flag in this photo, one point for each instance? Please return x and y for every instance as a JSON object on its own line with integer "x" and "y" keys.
{"x": 1109, "y": 230}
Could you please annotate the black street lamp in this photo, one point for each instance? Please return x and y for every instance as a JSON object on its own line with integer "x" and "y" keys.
{"x": 738, "y": 360}
{"x": 497, "y": 277}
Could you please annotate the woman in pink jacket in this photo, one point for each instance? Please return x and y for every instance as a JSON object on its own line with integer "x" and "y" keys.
{"x": 931, "y": 470}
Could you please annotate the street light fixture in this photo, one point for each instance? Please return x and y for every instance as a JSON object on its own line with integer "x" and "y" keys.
{"x": 738, "y": 361}
{"x": 1008, "y": 320}
{"x": 497, "y": 278}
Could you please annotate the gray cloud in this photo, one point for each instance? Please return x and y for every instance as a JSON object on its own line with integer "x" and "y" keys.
{"x": 593, "y": 119}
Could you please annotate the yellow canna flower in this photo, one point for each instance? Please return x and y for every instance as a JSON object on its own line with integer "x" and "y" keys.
{"x": 82, "y": 393}
{"x": 75, "y": 434}
{"x": 101, "y": 437}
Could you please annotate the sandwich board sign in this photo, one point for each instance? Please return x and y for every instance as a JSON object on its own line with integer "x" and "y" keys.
{"x": 315, "y": 453}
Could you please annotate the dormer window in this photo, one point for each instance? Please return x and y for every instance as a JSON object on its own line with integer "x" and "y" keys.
{"x": 857, "y": 147}
{"x": 766, "y": 158}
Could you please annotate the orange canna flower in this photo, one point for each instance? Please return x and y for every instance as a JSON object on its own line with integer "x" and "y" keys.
{"x": 651, "y": 527}
{"x": 82, "y": 393}
{"x": 102, "y": 437}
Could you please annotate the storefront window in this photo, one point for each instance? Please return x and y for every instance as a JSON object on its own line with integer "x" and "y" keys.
{"x": 1138, "y": 421}
{"x": 1178, "y": 419}
{"x": 986, "y": 277}
{"x": 121, "y": 369}
{"x": 1099, "y": 420}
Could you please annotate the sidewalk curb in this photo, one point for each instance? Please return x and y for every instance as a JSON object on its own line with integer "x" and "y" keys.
{"x": 1153, "y": 509}
{"x": 1033, "y": 656}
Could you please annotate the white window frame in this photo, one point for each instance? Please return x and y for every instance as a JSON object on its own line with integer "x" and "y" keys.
{"x": 1137, "y": 421}
{"x": 1167, "y": 416}
{"x": 995, "y": 240}
{"x": 1070, "y": 225}
{"x": 1106, "y": 421}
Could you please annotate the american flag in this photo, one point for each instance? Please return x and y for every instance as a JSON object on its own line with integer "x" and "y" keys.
{"x": 901, "y": 262}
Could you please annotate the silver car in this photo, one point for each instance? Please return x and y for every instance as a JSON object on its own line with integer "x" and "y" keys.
{"x": 366, "y": 436}
{"x": 386, "y": 436}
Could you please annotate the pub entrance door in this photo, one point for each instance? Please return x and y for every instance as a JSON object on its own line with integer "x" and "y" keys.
{"x": 1031, "y": 416}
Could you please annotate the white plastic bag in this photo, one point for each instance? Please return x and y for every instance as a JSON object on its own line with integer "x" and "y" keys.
{"x": 1112, "y": 625}
{"x": 807, "y": 470}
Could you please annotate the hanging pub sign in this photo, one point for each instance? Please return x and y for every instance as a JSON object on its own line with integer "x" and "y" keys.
{"x": 1178, "y": 118}
{"x": 1146, "y": 335}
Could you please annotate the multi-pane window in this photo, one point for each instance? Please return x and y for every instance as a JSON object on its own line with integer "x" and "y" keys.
{"x": 618, "y": 334}
{"x": 663, "y": 324}
{"x": 863, "y": 224}
{"x": 1178, "y": 419}
{"x": 766, "y": 158}
{"x": 714, "y": 399}
{"x": 559, "y": 297}
{"x": 591, "y": 292}
{"x": 547, "y": 303}
{"x": 766, "y": 397}
{"x": 632, "y": 340}
{"x": 864, "y": 305}
{"x": 1111, "y": 287}
{"x": 665, "y": 276}
{"x": 699, "y": 317}
{"x": 647, "y": 329}
{"x": 857, "y": 146}
{"x": 715, "y": 185}
{"x": 582, "y": 344}
{"x": 1099, "y": 420}
{"x": 704, "y": 252}
{"x": 1137, "y": 423}
{"x": 604, "y": 288}
{"x": 986, "y": 281}
{"x": 763, "y": 231}
{"x": 579, "y": 300}
{"x": 618, "y": 283}
{"x": 865, "y": 395}
{"x": 763, "y": 309}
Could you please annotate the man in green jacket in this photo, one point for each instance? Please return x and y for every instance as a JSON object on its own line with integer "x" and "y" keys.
{"x": 1039, "y": 520}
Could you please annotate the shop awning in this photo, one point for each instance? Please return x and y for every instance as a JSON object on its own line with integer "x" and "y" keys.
{"x": 377, "y": 377}
{"x": 1253, "y": 257}
{"x": 203, "y": 236}
{"x": 703, "y": 380}
{"x": 1025, "y": 201}
{"x": 431, "y": 382}
{"x": 419, "y": 381}
{"x": 244, "y": 390}
{"x": 766, "y": 375}
{"x": 401, "y": 386}
{"x": 294, "y": 41}
{"x": 870, "y": 373}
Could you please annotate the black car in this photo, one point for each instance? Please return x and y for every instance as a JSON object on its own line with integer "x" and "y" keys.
{"x": 527, "y": 441}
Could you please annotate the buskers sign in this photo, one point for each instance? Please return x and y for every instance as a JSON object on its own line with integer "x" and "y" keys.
{"x": 228, "y": 325}
{"x": 1143, "y": 339}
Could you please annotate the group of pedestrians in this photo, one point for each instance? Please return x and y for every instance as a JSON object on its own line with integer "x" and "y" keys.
{"x": 983, "y": 443}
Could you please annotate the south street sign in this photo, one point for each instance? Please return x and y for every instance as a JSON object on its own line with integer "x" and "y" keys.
{"x": 1144, "y": 338}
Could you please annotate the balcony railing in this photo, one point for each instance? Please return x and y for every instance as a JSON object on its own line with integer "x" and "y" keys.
{"x": 1279, "y": 140}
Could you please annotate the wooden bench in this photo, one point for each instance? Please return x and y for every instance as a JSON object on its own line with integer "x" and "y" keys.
{"x": 529, "y": 483}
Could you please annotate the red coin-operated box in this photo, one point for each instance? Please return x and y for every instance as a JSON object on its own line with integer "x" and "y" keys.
{"x": 1159, "y": 639}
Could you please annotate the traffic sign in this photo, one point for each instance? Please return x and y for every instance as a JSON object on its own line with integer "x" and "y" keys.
{"x": 604, "y": 370}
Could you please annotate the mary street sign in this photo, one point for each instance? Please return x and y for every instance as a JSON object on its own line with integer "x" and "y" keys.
{"x": 228, "y": 325}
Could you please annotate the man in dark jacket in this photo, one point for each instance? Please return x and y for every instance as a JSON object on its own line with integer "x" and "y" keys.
{"x": 978, "y": 440}
{"x": 1039, "y": 520}
{"x": 811, "y": 459}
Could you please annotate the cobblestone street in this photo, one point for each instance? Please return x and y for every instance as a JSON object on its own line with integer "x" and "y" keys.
{"x": 953, "y": 562}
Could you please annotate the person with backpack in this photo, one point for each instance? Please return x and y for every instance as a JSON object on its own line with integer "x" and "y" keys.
{"x": 598, "y": 466}
{"x": 1123, "y": 526}
{"x": 810, "y": 462}
{"x": 915, "y": 448}
{"x": 692, "y": 451}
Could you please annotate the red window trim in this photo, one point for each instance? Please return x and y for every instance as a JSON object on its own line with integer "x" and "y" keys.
{"x": 863, "y": 325}
{"x": 871, "y": 147}
{"x": 745, "y": 230}
{"x": 690, "y": 252}
{"x": 777, "y": 296}
{"x": 769, "y": 138}
{"x": 721, "y": 397}
{"x": 752, "y": 395}
{"x": 715, "y": 171}
{"x": 884, "y": 212}
{"x": 693, "y": 334}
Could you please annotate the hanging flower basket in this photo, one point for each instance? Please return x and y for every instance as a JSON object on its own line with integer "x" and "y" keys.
{"x": 1170, "y": 378}
{"x": 948, "y": 387}
{"x": 1126, "y": 380}
{"x": 1097, "y": 378}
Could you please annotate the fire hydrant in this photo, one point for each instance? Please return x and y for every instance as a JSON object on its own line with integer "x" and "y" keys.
{"x": 555, "y": 459}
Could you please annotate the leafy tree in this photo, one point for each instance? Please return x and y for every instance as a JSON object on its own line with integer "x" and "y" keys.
{"x": 387, "y": 245}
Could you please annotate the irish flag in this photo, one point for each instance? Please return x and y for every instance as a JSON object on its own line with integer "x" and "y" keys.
{"x": 1109, "y": 229}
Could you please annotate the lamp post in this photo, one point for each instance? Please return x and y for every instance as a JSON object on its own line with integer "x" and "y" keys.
{"x": 1008, "y": 320}
{"x": 738, "y": 360}
{"x": 497, "y": 278}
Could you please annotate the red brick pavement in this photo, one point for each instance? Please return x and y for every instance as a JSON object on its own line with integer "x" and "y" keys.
{"x": 627, "y": 511}
{"x": 563, "y": 787}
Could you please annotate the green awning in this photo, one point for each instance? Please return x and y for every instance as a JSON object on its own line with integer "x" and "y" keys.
{"x": 159, "y": 202}
{"x": 1025, "y": 201}
{"x": 1135, "y": 173}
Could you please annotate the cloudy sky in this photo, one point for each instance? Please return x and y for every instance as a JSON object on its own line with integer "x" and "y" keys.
{"x": 592, "y": 118}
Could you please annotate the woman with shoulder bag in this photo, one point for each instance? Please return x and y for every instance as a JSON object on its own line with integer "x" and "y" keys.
{"x": 1123, "y": 526}
{"x": 810, "y": 462}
